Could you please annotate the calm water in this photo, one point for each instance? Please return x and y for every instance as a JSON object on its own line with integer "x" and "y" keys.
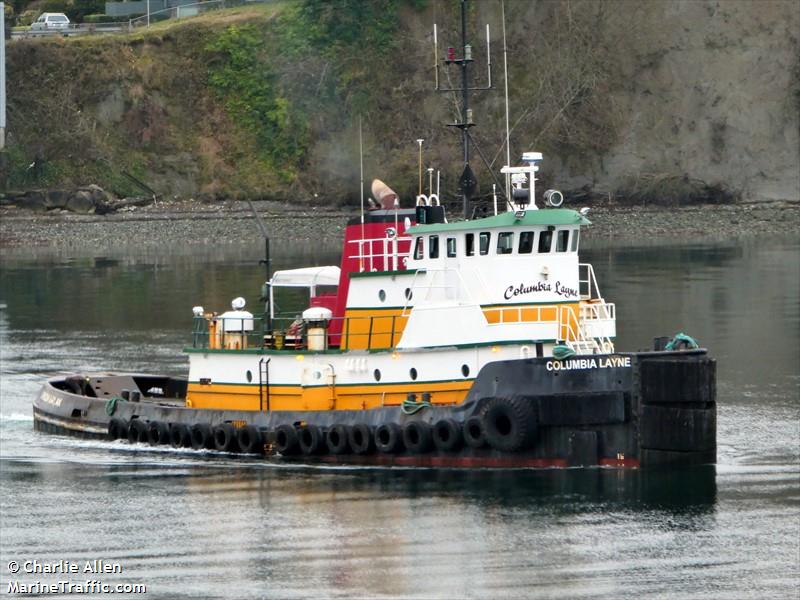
{"x": 191, "y": 524}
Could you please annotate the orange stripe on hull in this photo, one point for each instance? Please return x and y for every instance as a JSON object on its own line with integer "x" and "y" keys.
{"x": 355, "y": 397}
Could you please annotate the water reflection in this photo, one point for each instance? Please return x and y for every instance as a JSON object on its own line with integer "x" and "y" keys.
{"x": 197, "y": 524}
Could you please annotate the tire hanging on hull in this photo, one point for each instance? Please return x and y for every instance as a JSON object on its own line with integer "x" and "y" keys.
{"x": 447, "y": 436}
{"x": 225, "y": 438}
{"x": 286, "y": 442}
{"x": 337, "y": 439}
{"x": 202, "y": 438}
{"x": 361, "y": 439}
{"x": 117, "y": 428}
{"x": 250, "y": 440}
{"x": 473, "y": 432}
{"x": 509, "y": 424}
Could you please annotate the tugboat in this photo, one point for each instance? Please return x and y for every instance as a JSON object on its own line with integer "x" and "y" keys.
{"x": 481, "y": 343}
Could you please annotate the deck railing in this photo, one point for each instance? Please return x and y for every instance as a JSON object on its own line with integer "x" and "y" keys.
{"x": 382, "y": 254}
{"x": 291, "y": 333}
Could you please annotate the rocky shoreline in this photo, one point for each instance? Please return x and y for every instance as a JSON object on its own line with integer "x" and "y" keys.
{"x": 191, "y": 223}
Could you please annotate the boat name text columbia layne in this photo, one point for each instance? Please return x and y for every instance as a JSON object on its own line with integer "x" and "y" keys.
{"x": 541, "y": 286}
{"x": 602, "y": 362}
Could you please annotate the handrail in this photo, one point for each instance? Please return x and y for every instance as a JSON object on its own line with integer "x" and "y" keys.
{"x": 590, "y": 281}
{"x": 217, "y": 333}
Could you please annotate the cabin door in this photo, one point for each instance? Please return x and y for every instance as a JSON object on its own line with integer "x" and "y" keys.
{"x": 319, "y": 387}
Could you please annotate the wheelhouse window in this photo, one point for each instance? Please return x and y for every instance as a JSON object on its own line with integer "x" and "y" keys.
{"x": 545, "y": 241}
{"x": 575, "y": 236}
{"x": 470, "y": 244}
{"x": 526, "y": 242}
{"x": 485, "y": 239}
{"x": 433, "y": 246}
{"x": 418, "y": 251}
{"x": 451, "y": 247}
{"x": 505, "y": 242}
{"x": 562, "y": 240}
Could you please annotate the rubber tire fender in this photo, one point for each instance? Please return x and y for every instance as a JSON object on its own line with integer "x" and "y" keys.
{"x": 360, "y": 438}
{"x": 179, "y": 435}
{"x": 473, "y": 431}
{"x": 157, "y": 433}
{"x": 311, "y": 440}
{"x": 447, "y": 435}
{"x": 250, "y": 439}
{"x": 117, "y": 428}
{"x": 417, "y": 437}
{"x": 337, "y": 439}
{"x": 286, "y": 442}
{"x": 202, "y": 439}
{"x": 137, "y": 432}
{"x": 225, "y": 438}
{"x": 389, "y": 438}
{"x": 509, "y": 423}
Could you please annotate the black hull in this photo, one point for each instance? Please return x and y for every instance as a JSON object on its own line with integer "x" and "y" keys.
{"x": 623, "y": 410}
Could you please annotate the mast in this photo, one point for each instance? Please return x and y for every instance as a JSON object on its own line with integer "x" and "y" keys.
{"x": 467, "y": 181}
{"x": 467, "y": 177}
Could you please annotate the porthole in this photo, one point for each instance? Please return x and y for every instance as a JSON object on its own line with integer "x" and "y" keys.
{"x": 382, "y": 296}
{"x": 317, "y": 375}
{"x": 377, "y": 374}
{"x": 413, "y": 373}
{"x": 409, "y": 294}
{"x": 249, "y": 376}
{"x": 465, "y": 370}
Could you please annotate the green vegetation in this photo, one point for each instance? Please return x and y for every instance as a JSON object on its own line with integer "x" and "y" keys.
{"x": 241, "y": 75}
{"x": 230, "y": 102}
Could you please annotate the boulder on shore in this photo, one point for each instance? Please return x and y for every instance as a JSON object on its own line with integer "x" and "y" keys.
{"x": 86, "y": 200}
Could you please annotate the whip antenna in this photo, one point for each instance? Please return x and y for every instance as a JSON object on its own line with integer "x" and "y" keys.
{"x": 505, "y": 79}
{"x": 361, "y": 167}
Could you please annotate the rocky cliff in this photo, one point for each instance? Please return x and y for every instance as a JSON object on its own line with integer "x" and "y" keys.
{"x": 265, "y": 101}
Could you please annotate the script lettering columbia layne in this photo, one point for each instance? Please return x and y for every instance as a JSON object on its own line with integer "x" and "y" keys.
{"x": 540, "y": 286}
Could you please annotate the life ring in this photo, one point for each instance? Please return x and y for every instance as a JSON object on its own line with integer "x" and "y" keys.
{"x": 389, "y": 438}
{"x": 117, "y": 428}
{"x": 509, "y": 423}
{"x": 202, "y": 439}
{"x": 337, "y": 439}
{"x": 360, "y": 438}
{"x": 472, "y": 430}
{"x": 311, "y": 439}
{"x": 286, "y": 439}
{"x": 179, "y": 435}
{"x": 225, "y": 438}
{"x": 250, "y": 439}
{"x": 417, "y": 437}
{"x": 447, "y": 435}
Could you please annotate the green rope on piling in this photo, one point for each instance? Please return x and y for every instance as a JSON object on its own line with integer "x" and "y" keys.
{"x": 560, "y": 352}
{"x": 410, "y": 407}
{"x": 111, "y": 405}
{"x": 682, "y": 339}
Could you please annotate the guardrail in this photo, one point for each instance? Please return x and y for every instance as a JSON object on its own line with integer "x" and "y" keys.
{"x": 74, "y": 29}
{"x": 185, "y": 10}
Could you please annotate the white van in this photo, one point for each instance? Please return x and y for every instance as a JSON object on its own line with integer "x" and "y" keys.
{"x": 51, "y": 21}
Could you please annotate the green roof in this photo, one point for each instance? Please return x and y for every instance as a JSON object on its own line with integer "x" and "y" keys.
{"x": 544, "y": 216}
